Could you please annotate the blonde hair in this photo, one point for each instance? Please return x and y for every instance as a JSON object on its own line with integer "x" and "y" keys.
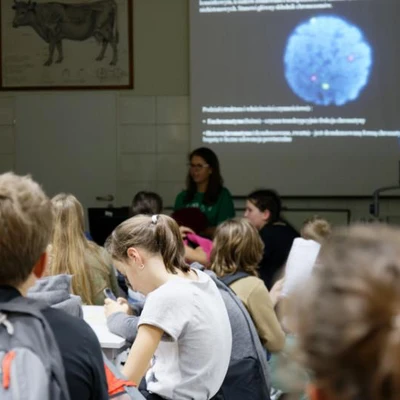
{"x": 237, "y": 247}
{"x": 157, "y": 234}
{"x": 316, "y": 228}
{"x": 69, "y": 246}
{"x": 348, "y": 320}
{"x": 26, "y": 222}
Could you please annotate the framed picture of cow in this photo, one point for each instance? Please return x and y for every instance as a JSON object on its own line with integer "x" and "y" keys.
{"x": 66, "y": 44}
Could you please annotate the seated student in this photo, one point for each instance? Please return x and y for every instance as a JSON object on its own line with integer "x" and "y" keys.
{"x": 247, "y": 363}
{"x": 263, "y": 210}
{"x": 147, "y": 203}
{"x": 197, "y": 248}
{"x": 316, "y": 228}
{"x": 71, "y": 253}
{"x": 288, "y": 377}
{"x": 25, "y": 231}
{"x": 205, "y": 190}
{"x": 303, "y": 257}
{"x": 238, "y": 249}
{"x": 183, "y": 332}
{"x": 348, "y": 319}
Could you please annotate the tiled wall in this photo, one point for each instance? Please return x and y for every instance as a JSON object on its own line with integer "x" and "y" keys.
{"x": 153, "y": 143}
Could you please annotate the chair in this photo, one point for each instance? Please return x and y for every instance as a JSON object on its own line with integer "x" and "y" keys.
{"x": 102, "y": 221}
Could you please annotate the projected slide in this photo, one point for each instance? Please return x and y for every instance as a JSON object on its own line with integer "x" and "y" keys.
{"x": 327, "y": 61}
{"x": 283, "y": 84}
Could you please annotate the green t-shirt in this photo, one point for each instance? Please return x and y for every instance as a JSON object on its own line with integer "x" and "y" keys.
{"x": 222, "y": 210}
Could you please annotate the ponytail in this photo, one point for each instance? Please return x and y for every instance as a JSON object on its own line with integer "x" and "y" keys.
{"x": 157, "y": 234}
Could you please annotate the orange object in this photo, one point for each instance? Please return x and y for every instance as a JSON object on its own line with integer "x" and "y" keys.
{"x": 116, "y": 385}
{"x": 6, "y": 367}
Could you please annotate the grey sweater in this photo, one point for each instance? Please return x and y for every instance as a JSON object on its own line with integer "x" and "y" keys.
{"x": 55, "y": 291}
{"x": 124, "y": 325}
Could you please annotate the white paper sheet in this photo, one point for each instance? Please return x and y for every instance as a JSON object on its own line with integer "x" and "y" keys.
{"x": 300, "y": 263}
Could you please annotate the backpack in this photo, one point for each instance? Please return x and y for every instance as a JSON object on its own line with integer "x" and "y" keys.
{"x": 247, "y": 378}
{"x": 119, "y": 388}
{"x": 229, "y": 279}
{"x": 30, "y": 361}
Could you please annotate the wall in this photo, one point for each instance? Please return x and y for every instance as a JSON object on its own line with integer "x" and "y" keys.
{"x": 153, "y": 145}
{"x": 152, "y": 121}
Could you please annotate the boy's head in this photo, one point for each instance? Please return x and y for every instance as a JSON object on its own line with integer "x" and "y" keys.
{"x": 147, "y": 203}
{"x": 26, "y": 223}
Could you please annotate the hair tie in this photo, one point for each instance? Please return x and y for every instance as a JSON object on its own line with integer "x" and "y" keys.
{"x": 154, "y": 219}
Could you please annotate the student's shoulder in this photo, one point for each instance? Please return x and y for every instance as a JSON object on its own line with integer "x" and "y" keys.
{"x": 173, "y": 293}
{"x": 225, "y": 192}
{"x": 286, "y": 230}
{"x": 181, "y": 194}
{"x": 173, "y": 289}
{"x": 249, "y": 283}
{"x": 180, "y": 199}
{"x": 278, "y": 229}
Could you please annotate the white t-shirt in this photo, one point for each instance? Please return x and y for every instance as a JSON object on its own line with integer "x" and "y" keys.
{"x": 192, "y": 358}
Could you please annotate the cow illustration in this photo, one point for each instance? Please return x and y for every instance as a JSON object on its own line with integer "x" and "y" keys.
{"x": 54, "y": 22}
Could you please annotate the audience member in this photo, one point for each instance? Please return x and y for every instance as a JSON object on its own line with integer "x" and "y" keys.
{"x": 205, "y": 190}
{"x": 71, "y": 253}
{"x": 238, "y": 249}
{"x": 247, "y": 363}
{"x": 348, "y": 319}
{"x": 316, "y": 228}
{"x": 263, "y": 210}
{"x": 147, "y": 203}
{"x": 184, "y": 323}
{"x": 25, "y": 231}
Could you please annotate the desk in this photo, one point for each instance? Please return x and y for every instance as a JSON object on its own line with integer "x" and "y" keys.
{"x": 112, "y": 345}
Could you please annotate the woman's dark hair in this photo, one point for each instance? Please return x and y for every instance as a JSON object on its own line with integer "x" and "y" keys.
{"x": 147, "y": 203}
{"x": 215, "y": 182}
{"x": 267, "y": 199}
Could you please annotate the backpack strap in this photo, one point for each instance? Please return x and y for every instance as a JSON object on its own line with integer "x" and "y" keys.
{"x": 253, "y": 332}
{"x": 118, "y": 386}
{"x": 229, "y": 279}
{"x": 25, "y": 306}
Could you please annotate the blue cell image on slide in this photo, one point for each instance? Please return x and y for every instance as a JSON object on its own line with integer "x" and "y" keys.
{"x": 328, "y": 61}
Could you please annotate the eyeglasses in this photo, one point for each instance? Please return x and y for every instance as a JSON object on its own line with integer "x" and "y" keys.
{"x": 197, "y": 166}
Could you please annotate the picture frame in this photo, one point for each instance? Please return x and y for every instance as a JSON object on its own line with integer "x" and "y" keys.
{"x": 66, "y": 45}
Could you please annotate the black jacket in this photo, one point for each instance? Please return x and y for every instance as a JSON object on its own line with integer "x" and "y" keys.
{"x": 278, "y": 239}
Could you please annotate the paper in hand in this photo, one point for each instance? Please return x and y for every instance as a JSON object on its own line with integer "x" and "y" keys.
{"x": 299, "y": 265}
